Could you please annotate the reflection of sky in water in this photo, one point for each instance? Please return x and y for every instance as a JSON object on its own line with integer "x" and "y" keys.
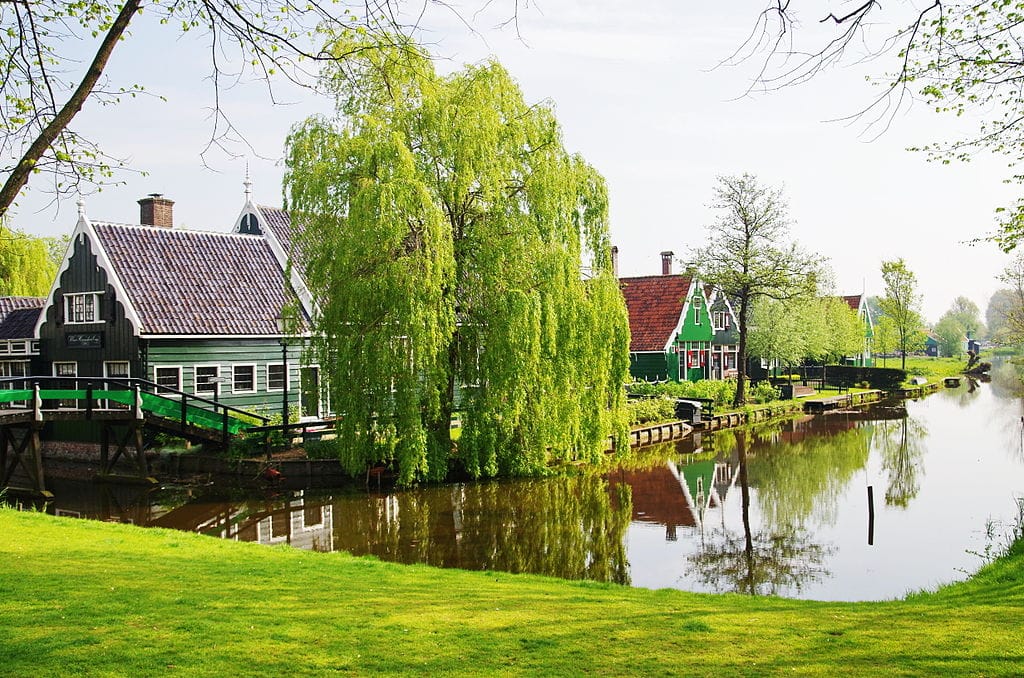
{"x": 961, "y": 468}
{"x": 968, "y": 471}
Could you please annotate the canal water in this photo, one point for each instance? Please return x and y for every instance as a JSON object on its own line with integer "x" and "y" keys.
{"x": 781, "y": 510}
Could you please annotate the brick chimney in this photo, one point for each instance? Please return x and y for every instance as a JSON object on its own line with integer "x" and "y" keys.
{"x": 615, "y": 260}
{"x": 666, "y": 263}
{"x": 156, "y": 210}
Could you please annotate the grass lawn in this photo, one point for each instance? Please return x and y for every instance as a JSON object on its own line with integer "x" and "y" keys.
{"x": 88, "y": 598}
{"x": 932, "y": 369}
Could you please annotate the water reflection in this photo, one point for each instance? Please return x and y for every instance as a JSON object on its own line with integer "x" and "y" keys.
{"x": 776, "y": 510}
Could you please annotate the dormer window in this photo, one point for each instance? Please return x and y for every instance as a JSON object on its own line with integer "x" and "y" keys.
{"x": 82, "y": 307}
{"x": 250, "y": 225}
{"x": 696, "y": 310}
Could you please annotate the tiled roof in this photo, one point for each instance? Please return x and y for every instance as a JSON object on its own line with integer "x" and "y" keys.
{"x": 655, "y": 304}
{"x": 280, "y": 223}
{"x": 193, "y": 282}
{"x": 853, "y": 300}
{"x": 18, "y": 316}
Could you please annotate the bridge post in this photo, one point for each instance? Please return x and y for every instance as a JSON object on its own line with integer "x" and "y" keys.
{"x": 88, "y": 400}
{"x": 139, "y": 414}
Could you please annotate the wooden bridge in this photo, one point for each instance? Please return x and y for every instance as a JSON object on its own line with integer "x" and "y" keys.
{"x": 130, "y": 412}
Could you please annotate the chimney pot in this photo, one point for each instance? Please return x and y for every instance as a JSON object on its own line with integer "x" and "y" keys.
{"x": 666, "y": 262}
{"x": 156, "y": 210}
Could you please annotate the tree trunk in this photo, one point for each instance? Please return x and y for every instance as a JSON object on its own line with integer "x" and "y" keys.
{"x": 741, "y": 368}
{"x": 19, "y": 177}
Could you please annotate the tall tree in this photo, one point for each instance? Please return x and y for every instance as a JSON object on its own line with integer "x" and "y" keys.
{"x": 446, "y": 233}
{"x": 956, "y": 57}
{"x": 951, "y": 333}
{"x": 747, "y": 256}
{"x": 999, "y": 315}
{"x": 901, "y": 304}
{"x": 1012, "y": 305}
{"x": 967, "y": 313}
{"x": 26, "y": 268}
{"x": 44, "y": 83}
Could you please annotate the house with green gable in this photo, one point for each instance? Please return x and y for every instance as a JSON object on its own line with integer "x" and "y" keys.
{"x": 670, "y": 324}
{"x": 859, "y": 303}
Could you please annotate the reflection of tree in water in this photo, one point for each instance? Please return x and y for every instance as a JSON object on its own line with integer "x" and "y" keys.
{"x": 766, "y": 562}
{"x": 807, "y": 475}
{"x": 1007, "y": 379}
{"x": 568, "y": 527}
{"x": 901, "y": 445}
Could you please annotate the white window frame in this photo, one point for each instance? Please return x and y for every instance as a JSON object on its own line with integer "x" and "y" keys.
{"x": 696, "y": 304}
{"x": 195, "y": 380}
{"x": 287, "y": 377}
{"x": 65, "y": 362}
{"x": 234, "y": 380}
{"x": 108, "y": 363}
{"x": 18, "y": 347}
{"x": 5, "y": 368}
{"x": 69, "y": 305}
{"x": 156, "y": 377}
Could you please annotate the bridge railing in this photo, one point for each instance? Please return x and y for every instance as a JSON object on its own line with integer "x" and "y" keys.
{"x": 92, "y": 394}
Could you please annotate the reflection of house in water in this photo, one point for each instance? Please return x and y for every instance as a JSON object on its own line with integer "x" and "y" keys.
{"x": 297, "y": 521}
{"x": 678, "y": 495}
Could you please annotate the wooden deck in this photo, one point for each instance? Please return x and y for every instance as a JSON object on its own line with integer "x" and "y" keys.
{"x": 838, "y": 402}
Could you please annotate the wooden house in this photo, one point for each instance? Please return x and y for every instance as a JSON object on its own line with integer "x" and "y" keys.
{"x": 725, "y": 343}
{"x": 859, "y": 303}
{"x": 670, "y": 326}
{"x": 18, "y": 344}
{"x": 194, "y": 311}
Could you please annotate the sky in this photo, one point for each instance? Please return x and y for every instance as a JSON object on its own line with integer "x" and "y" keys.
{"x": 641, "y": 95}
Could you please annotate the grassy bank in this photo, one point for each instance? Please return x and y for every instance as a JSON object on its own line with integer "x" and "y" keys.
{"x": 86, "y": 598}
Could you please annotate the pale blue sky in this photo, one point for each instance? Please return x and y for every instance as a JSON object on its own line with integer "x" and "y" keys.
{"x": 638, "y": 96}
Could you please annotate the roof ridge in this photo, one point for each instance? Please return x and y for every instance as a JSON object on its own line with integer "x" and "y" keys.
{"x": 164, "y": 229}
{"x": 663, "y": 275}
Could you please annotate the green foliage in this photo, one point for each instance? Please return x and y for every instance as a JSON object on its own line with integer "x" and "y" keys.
{"x": 645, "y": 410}
{"x": 445, "y": 228}
{"x": 322, "y": 449}
{"x": 26, "y": 267}
{"x": 763, "y": 392}
{"x": 720, "y": 391}
{"x": 748, "y": 258}
{"x": 901, "y": 304}
{"x": 883, "y": 378}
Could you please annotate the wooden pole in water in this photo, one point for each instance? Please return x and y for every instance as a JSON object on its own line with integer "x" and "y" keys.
{"x": 871, "y": 515}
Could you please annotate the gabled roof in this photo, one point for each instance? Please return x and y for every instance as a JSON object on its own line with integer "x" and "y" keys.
{"x": 280, "y": 223}
{"x": 854, "y": 301}
{"x": 193, "y": 282}
{"x": 18, "y": 316}
{"x": 655, "y": 305}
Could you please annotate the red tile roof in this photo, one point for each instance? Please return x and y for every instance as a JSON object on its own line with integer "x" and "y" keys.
{"x": 655, "y": 304}
{"x": 853, "y": 300}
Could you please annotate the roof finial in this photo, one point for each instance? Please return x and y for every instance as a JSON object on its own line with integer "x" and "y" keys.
{"x": 247, "y": 183}
{"x": 81, "y": 205}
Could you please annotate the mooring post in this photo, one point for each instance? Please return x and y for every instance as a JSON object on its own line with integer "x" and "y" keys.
{"x": 871, "y": 515}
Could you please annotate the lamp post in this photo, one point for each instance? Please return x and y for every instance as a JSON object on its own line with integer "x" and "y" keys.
{"x": 282, "y": 326}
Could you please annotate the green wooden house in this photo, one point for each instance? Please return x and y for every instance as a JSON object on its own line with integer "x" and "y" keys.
{"x": 670, "y": 326}
{"x": 859, "y": 303}
{"x": 193, "y": 311}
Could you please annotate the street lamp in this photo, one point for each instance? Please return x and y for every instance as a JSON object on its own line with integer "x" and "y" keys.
{"x": 282, "y": 326}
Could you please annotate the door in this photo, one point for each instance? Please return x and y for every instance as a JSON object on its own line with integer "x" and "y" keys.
{"x": 309, "y": 391}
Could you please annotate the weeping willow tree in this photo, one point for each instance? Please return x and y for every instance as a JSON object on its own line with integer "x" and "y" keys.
{"x": 461, "y": 261}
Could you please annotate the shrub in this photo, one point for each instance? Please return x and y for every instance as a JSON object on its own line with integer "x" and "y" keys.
{"x": 322, "y": 449}
{"x": 644, "y": 410}
{"x": 763, "y": 392}
{"x": 721, "y": 392}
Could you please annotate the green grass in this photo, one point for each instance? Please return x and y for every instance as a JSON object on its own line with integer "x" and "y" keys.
{"x": 88, "y": 598}
{"x": 932, "y": 369}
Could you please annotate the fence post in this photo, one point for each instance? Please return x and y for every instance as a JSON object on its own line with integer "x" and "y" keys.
{"x": 88, "y": 400}
{"x": 139, "y": 414}
{"x": 37, "y": 403}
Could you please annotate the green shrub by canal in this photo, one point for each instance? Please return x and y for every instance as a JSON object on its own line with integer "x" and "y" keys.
{"x": 87, "y": 598}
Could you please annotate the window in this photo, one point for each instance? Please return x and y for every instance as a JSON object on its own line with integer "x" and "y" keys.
{"x": 116, "y": 369}
{"x": 276, "y": 377}
{"x": 696, "y": 310}
{"x": 13, "y": 368}
{"x": 168, "y": 377}
{"x": 82, "y": 308}
{"x": 206, "y": 379}
{"x": 243, "y": 379}
{"x": 66, "y": 369}
{"x": 19, "y": 347}
{"x": 720, "y": 320}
